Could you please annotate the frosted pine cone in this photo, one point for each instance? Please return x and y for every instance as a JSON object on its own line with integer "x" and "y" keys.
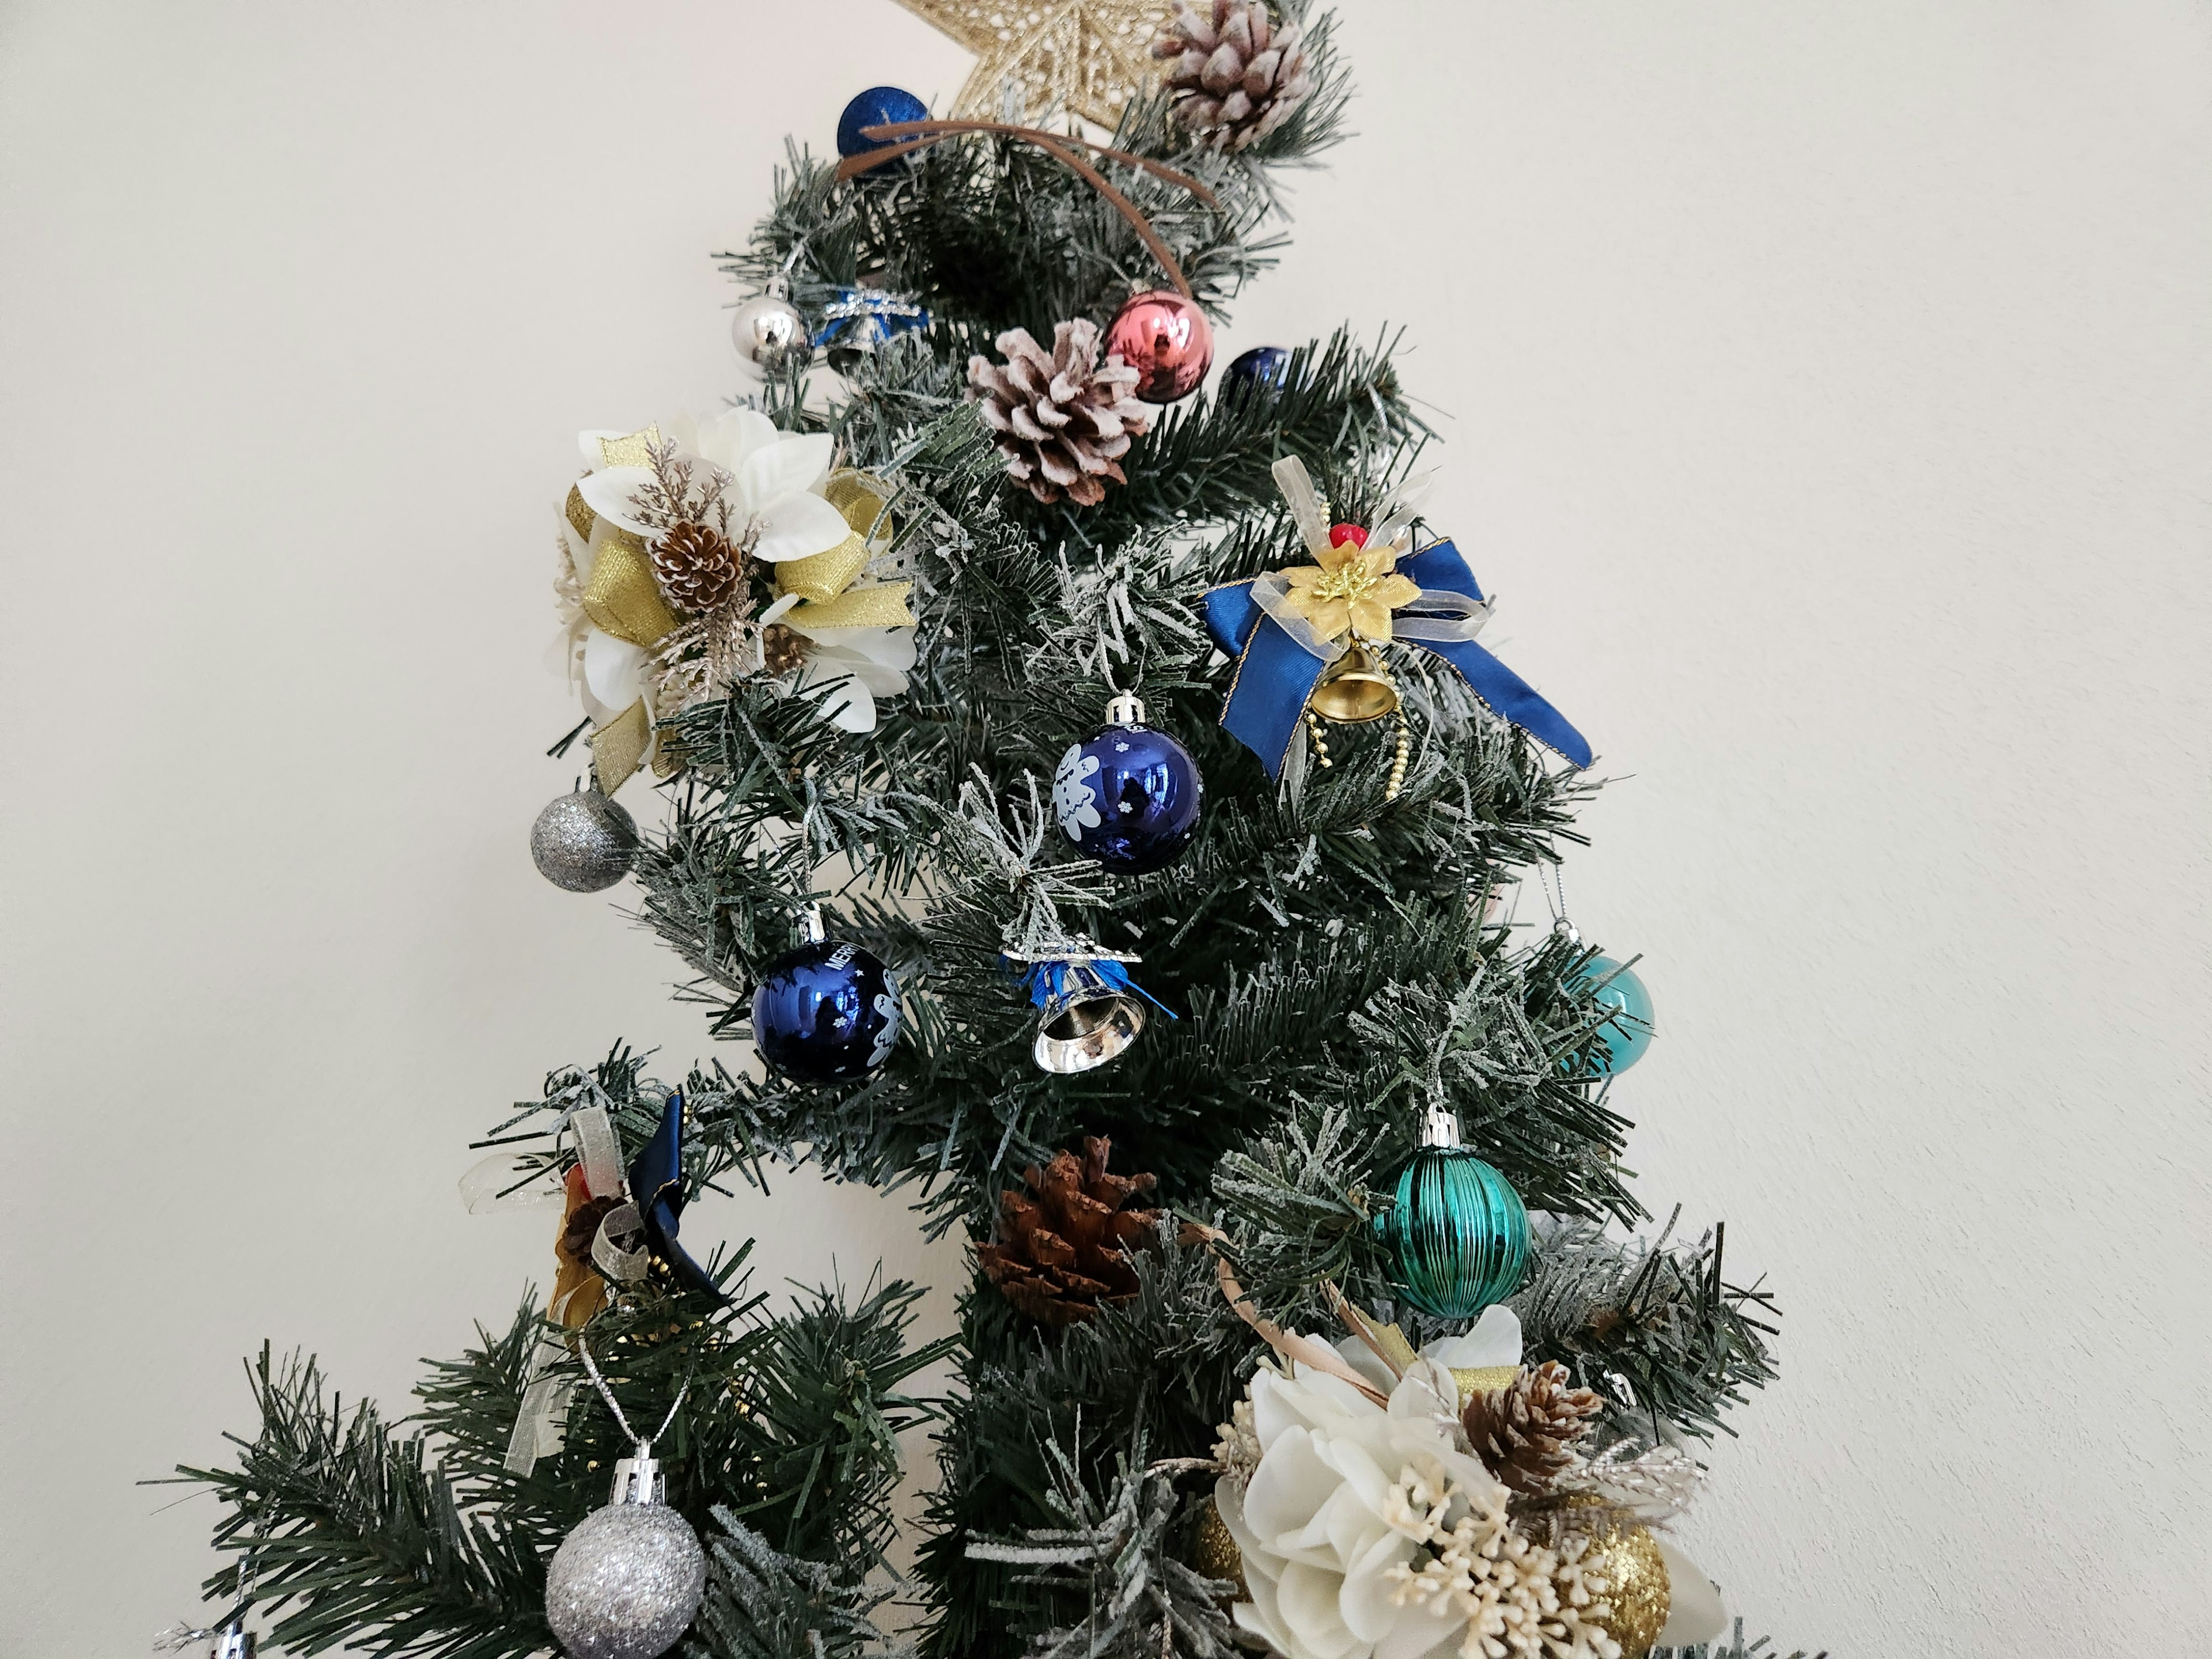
{"x": 697, "y": 569}
{"x": 1063, "y": 1245}
{"x": 1237, "y": 76}
{"x": 1525, "y": 1432}
{"x": 1063, "y": 418}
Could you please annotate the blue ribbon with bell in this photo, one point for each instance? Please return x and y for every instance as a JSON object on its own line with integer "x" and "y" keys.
{"x": 864, "y": 317}
{"x": 1300, "y": 635}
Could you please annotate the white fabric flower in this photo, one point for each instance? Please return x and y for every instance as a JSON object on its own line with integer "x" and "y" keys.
{"x": 1315, "y": 1524}
{"x": 769, "y": 477}
{"x": 870, "y": 661}
{"x": 1495, "y": 1340}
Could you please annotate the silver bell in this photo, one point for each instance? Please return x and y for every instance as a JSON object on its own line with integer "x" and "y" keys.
{"x": 1086, "y": 1022}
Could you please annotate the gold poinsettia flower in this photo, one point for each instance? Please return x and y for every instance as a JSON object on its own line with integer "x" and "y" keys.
{"x": 1352, "y": 586}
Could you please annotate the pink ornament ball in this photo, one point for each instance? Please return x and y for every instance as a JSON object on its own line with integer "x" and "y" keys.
{"x": 1167, "y": 340}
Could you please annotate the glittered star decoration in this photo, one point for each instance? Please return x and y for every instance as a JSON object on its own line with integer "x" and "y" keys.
{"x": 1088, "y": 57}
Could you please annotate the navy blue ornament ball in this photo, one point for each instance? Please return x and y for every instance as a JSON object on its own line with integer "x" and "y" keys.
{"x": 1262, "y": 366}
{"x": 878, "y": 106}
{"x": 1129, "y": 796}
{"x": 826, "y": 1011}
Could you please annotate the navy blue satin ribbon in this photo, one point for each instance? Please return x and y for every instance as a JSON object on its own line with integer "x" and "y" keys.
{"x": 1275, "y": 674}
{"x": 656, "y": 1186}
{"x": 1047, "y": 980}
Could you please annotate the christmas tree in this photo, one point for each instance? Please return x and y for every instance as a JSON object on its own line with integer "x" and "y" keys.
{"x": 1086, "y": 793}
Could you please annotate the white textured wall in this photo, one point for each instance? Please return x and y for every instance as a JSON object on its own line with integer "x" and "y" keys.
{"x": 1826, "y": 387}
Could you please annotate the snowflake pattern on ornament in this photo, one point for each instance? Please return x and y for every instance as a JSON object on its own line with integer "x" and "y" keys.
{"x": 887, "y": 1005}
{"x": 1072, "y": 796}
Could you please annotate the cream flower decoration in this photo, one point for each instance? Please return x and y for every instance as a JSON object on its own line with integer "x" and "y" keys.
{"x": 1350, "y": 586}
{"x": 768, "y": 477}
{"x": 1367, "y": 1533}
{"x": 1655, "y": 1484}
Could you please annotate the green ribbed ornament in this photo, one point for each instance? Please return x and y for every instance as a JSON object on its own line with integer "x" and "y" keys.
{"x": 1457, "y": 1234}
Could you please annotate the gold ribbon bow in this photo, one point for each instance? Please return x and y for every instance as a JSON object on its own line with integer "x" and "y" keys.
{"x": 823, "y": 583}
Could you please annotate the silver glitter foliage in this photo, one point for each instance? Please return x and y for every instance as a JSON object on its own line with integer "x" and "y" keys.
{"x": 625, "y": 1584}
{"x": 583, "y": 842}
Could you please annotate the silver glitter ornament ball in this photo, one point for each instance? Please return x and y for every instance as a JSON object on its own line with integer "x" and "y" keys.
{"x": 583, "y": 842}
{"x": 769, "y": 332}
{"x": 626, "y": 1584}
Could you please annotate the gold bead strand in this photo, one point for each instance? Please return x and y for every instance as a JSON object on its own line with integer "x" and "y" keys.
{"x": 1320, "y": 742}
{"x": 1398, "y": 764}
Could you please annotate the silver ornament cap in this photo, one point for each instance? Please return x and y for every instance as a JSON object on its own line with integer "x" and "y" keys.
{"x": 627, "y": 1583}
{"x": 769, "y": 332}
{"x": 583, "y": 842}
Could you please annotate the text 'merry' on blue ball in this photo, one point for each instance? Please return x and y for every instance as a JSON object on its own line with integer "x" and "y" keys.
{"x": 878, "y": 106}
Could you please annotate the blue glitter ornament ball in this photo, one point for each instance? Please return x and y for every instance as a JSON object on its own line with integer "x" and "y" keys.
{"x": 1457, "y": 1234}
{"x": 1628, "y": 1033}
{"x": 825, "y": 1013}
{"x": 1129, "y": 797}
{"x": 1262, "y": 366}
{"x": 878, "y": 106}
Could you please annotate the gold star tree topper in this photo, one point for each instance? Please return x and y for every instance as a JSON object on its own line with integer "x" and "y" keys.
{"x": 1088, "y": 57}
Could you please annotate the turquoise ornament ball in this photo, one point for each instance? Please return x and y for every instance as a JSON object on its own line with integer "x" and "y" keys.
{"x": 1628, "y": 1033}
{"x": 1457, "y": 1234}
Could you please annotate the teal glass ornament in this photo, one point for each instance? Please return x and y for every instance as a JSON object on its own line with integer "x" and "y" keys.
{"x": 1457, "y": 1235}
{"x": 1628, "y": 1033}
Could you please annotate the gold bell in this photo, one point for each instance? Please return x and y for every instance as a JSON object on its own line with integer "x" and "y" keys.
{"x": 1354, "y": 689}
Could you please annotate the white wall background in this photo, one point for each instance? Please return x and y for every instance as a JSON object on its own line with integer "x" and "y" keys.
{"x": 1827, "y": 391}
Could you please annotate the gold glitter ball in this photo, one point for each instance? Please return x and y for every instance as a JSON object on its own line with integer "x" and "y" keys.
{"x": 1624, "y": 1551}
{"x": 1215, "y": 1552}
{"x": 1087, "y": 57}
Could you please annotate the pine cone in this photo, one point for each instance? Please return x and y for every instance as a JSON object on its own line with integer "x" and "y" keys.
{"x": 1525, "y": 1432}
{"x": 697, "y": 569}
{"x": 1062, "y": 418}
{"x": 782, "y": 649}
{"x": 1062, "y": 1249}
{"x": 1237, "y": 76}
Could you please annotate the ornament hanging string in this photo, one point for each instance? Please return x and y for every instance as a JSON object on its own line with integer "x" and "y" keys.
{"x": 615, "y": 1406}
{"x": 910, "y": 136}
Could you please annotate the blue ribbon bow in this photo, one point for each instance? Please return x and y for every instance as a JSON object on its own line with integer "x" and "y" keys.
{"x": 1275, "y": 674}
{"x": 867, "y": 317}
{"x": 1047, "y": 980}
{"x": 656, "y": 1186}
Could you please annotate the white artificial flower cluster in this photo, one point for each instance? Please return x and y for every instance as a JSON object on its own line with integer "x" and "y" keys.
{"x": 1370, "y": 1533}
{"x": 1517, "y": 1597}
{"x": 766, "y": 492}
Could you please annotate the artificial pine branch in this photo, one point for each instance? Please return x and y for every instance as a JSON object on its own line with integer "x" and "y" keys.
{"x": 764, "y": 1604}
{"x": 1141, "y": 1600}
{"x": 1667, "y": 1343}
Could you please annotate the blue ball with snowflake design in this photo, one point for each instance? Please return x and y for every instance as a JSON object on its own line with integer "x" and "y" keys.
{"x": 826, "y": 1012}
{"x": 1129, "y": 796}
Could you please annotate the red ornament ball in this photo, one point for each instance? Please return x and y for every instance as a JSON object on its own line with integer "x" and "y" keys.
{"x": 1167, "y": 340}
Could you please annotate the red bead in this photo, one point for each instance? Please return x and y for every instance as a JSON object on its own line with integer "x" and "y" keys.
{"x": 1167, "y": 340}
{"x": 1340, "y": 533}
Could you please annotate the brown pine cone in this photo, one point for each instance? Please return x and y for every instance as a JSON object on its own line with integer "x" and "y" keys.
{"x": 1063, "y": 418}
{"x": 1063, "y": 1246}
{"x": 1236, "y": 75}
{"x": 1525, "y": 1432}
{"x": 697, "y": 569}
